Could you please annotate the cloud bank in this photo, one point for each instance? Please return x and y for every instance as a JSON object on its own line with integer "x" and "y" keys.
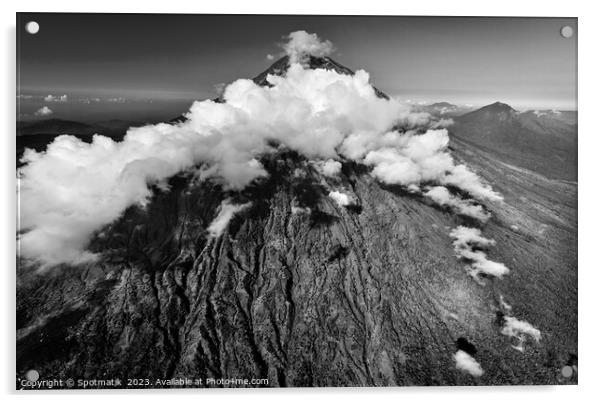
{"x": 73, "y": 188}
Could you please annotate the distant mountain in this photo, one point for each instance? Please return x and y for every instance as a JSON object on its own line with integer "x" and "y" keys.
{"x": 442, "y": 105}
{"x": 53, "y": 126}
{"x": 39, "y": 133}
{"x": 550, "y": 119}
{"x": 543, "y": 142}
{"x": 496, "y": 108}
{"x": 119, "y": 125}
{"x": 444, "y": 109}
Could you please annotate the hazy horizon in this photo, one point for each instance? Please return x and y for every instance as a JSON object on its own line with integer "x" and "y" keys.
{"x": 151, "y": 67}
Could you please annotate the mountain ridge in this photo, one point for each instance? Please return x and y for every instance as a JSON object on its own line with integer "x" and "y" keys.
{"x": 547, "y": 145}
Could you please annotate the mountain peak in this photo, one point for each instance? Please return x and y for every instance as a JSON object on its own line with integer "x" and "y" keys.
{"x": 497, "y": 107}
{"x": 498, "y": 111}
{"x": 280, "y": 66}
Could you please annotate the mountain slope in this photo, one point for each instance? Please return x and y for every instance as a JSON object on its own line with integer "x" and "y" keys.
{"x": 547, "y": 145}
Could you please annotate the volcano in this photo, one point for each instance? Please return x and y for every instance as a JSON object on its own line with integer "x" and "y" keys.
{"x": 301, "y": 289}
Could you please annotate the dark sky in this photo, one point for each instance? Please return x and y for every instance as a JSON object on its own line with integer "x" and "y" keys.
{"x": 172, "y": 59}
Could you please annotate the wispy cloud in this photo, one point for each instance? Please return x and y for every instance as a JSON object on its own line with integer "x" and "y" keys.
{"x": 56, "y": 98}
{"x": 469, "y": 244}
{"x": 43, "y": 111}
{"x": 519, "y": 330}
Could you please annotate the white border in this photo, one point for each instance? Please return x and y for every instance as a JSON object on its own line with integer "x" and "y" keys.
{"x": 590, "y": 195}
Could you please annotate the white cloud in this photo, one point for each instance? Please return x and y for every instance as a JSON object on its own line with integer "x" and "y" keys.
{"x": 441, "y": 196}
{"x": 56, "y": 98}
{"x": 270, "y": 57}
{"x": 392, "y": 167}
{"x": 466, "y": 240}
{"x": 463, "y": 178}
{"x": 43, "y": 111}
{"x": 519, "y": 330}
{"x": 301, "y": 44}
{"x": 410, "y": 158}
{"x": 465, "y": 362}
{"x": 482, "y": 265}
{"x": 466, "y": 237}
{"x": 341, "y": 198}
{"x": 75, "y": 188}
{"x": 225, "y": 213}
{"x": 330, "y": 167}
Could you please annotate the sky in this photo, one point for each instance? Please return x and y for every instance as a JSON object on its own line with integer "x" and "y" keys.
{"x": 150, "y": 67}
